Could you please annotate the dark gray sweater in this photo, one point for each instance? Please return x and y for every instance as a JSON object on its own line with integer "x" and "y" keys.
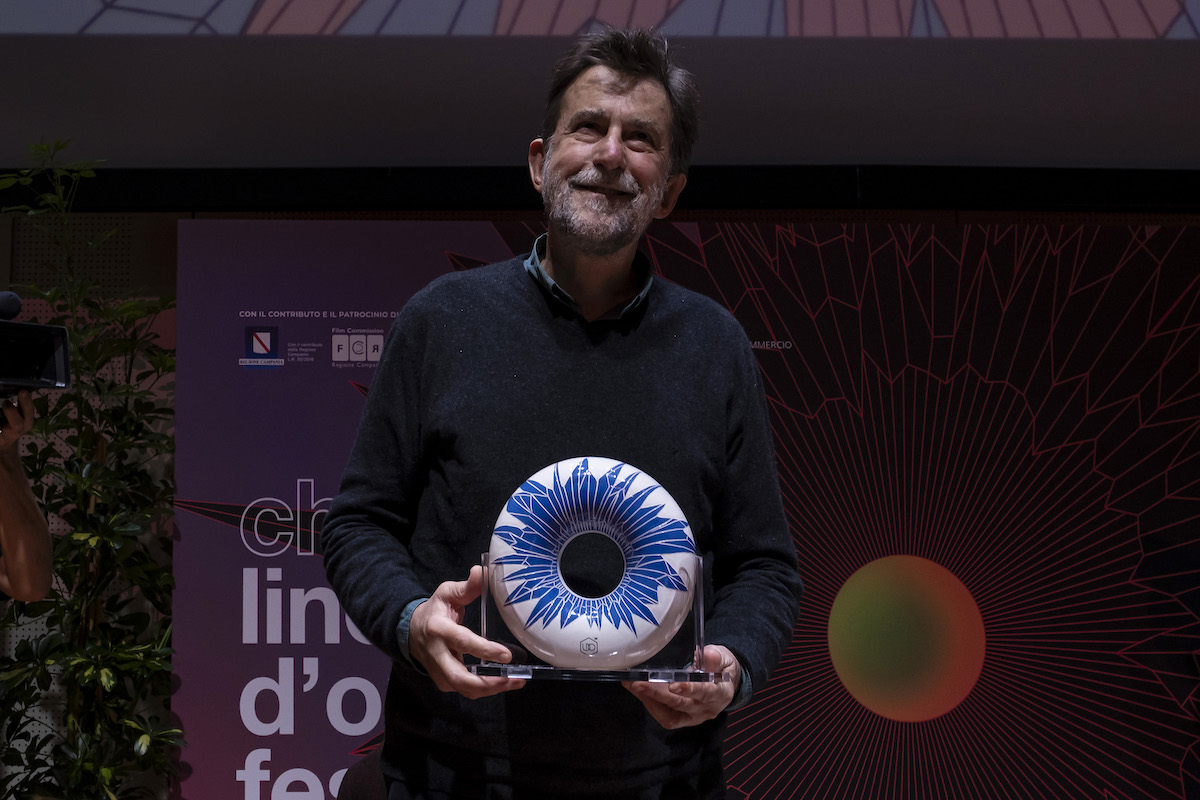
{"x": 485, "y": 379}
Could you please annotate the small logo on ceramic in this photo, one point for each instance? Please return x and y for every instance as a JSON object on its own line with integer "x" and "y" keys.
{"x": 589, "y": 647}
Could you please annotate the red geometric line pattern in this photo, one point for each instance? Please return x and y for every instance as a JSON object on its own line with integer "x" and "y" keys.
{"x": 1019, "y": 404}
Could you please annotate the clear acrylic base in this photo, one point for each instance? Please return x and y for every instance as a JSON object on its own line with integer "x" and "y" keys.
{"x": 540, "y": 672}
{"x": 688, "y": 644}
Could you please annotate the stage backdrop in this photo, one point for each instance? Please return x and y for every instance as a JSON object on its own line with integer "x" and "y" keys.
{"x": 987, "y": 438}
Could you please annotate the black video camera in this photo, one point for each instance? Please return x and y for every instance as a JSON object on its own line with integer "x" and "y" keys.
{"x": 31, "y": 356}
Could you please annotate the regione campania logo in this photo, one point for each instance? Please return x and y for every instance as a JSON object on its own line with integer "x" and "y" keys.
{"x": 261, "y": 347}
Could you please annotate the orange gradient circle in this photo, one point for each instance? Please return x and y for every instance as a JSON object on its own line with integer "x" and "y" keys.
{"x": 906, "y": 638}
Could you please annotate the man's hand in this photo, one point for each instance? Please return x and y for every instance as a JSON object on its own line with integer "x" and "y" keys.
{"x": 438, "y": 641}
{"x": 683, "y": 704}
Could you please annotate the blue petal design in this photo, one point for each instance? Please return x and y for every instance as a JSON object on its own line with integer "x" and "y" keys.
{"x": 551, "y": 515}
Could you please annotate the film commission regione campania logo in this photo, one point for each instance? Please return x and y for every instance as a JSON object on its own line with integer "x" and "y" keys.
{"x": 273, "y": 343}
{"x": 297, "y": 623}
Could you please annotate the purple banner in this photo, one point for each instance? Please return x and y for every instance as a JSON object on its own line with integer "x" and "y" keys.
{"x": 280, "y": 328}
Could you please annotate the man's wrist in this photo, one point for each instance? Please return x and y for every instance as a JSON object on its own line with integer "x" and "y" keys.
{"x": 745, "y": 686}
{"x": 403, "y": 627}
{"x": 744, "y": 691}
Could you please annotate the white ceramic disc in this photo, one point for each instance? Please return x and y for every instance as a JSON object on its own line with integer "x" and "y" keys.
{"x": 654, "y": 557}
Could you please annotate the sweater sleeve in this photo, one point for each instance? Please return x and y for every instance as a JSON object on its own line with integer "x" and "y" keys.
{"x": 756, "y": 582}
{"x": 367, "y": 534}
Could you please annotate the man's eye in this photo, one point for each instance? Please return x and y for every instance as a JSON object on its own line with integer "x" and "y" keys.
{"x": 641, "y": 141}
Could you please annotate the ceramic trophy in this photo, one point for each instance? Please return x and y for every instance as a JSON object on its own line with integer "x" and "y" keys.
{"x": 593, "y": 570}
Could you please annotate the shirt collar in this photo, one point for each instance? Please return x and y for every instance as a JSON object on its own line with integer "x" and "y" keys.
{"x": 641, "y": 274}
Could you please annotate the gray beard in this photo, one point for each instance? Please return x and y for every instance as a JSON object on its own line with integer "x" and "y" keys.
{"x": 593, "y": 224}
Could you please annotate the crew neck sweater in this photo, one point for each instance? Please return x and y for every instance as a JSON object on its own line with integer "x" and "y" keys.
{"x": 485, "y": 379}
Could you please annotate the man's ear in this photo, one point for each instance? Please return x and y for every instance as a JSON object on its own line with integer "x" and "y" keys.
{"x": 537, "y": 160}
{"x": 675, "y": 185}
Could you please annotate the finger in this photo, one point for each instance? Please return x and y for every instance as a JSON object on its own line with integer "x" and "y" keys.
{"x": 682, "y": 704}
{"x": 473, "y": 687}
{"x": 450, "y": 599}
{"x": 444, "y": 663}
{"x": 487, "y": 686}
{"x": 648, "y": 696}
{"x": 449, "y": 675}
{"x": 438, "y": 641}
{"x": 460, "y": 641}
{"x": 717, "y": 658}
{"x": 661, "y": 696}
{"x": 460, "y": 593}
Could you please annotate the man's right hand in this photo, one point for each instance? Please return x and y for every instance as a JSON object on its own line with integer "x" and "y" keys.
{"x": 438, "y": 641}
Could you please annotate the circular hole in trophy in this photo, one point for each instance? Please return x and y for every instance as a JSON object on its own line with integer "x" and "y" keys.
{"x": 592, "y": 565}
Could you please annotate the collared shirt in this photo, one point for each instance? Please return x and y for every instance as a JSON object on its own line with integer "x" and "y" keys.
{"x": 642, "y": 275}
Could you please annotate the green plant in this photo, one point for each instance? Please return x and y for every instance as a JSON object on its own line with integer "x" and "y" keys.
{"x": 102, "y": 456}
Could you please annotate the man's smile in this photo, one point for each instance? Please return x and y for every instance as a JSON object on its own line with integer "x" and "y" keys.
{"x": 611, "y": 192}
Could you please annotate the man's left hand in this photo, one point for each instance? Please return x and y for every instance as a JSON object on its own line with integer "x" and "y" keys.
{"x": 683, "y": 704}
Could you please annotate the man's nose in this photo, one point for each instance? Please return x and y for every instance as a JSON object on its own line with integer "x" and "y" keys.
{"x": 609, "y": 152}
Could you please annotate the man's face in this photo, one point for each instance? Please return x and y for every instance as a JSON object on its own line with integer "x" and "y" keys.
{"x": 604, "y": 176}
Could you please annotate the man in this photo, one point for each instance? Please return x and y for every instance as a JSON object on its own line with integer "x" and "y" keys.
{"x": 25, "y": 565}
{"x": 575, "y": 350}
